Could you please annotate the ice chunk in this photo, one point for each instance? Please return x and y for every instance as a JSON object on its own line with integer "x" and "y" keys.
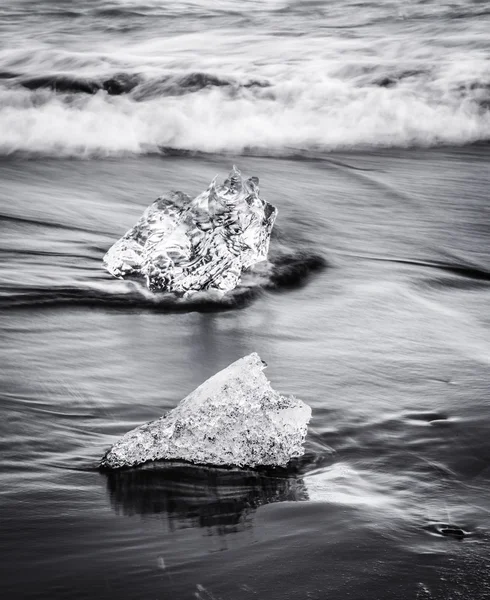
{"x": 233, "y": 418}
{"x": 184, "y": 246}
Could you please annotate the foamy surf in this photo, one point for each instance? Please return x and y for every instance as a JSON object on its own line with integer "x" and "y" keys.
{"x": 328, "y": 114}
{"x": 154, "y": 76}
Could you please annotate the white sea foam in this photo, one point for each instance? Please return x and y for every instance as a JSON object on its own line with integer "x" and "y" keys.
{"x": 328, "y": 76}
{"x": 299, "y": 114}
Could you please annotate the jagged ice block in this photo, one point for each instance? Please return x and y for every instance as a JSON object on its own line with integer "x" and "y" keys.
{"x": 185, "y": 246}
{"x": 233, "y": 418}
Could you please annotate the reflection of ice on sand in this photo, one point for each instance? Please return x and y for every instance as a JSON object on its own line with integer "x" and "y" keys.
{"x": 189, "y": 496}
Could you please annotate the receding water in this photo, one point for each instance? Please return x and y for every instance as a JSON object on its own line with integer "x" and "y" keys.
{"x": 389, "y": 344}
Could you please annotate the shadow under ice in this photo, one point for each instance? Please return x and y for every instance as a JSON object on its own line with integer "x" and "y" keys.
{"x": 186, "y": 495}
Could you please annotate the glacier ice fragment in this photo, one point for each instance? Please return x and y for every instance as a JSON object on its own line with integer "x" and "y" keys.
{"x": 184, "y": 246}
{"x": 233, "y": 418}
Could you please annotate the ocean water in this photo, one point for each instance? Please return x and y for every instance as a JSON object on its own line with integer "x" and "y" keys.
{"x": 368, "y": 126}
{"x": 104, "y": 78}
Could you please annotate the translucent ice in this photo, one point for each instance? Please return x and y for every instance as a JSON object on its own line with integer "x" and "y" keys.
{"x": 233, "y": 418}
{"x": 184, "y": 246}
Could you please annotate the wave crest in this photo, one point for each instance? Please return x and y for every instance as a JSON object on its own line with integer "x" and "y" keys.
{"x": 62, "y": 115}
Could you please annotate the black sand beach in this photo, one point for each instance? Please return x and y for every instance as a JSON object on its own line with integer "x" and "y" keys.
{"x": 389, "y": 344}
{"x": 379, "y": 319}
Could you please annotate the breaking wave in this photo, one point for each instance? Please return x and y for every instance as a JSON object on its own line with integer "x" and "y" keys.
{"x": 277, "y": 77}
{"x": 61, "y": 115}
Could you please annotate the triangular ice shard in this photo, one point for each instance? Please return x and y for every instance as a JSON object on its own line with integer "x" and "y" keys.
{"x": 234, "y": 418}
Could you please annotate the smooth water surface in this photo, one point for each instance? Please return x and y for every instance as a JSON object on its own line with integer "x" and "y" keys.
{"x": 389, "y": 344}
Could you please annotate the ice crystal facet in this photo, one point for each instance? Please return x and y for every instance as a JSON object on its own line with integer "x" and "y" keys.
{"x": 184, "y": 246}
